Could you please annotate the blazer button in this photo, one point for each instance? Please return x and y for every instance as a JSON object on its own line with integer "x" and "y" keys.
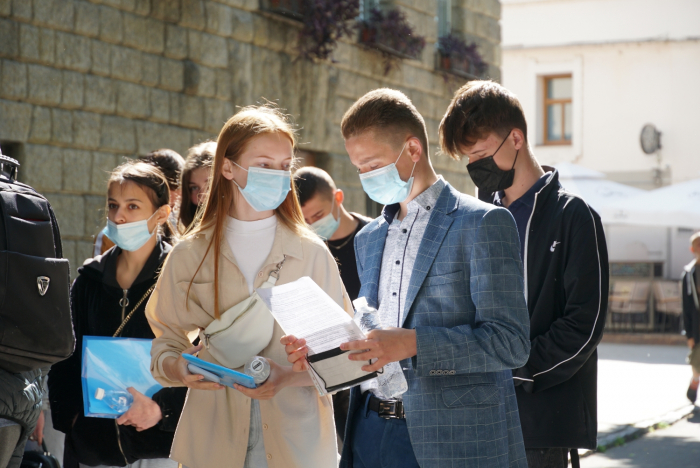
{"x": 269, "y": 456}
{"x": 432, "y": 372}
{"x": 264, "y": 426}
{"x": 453, "y": 372}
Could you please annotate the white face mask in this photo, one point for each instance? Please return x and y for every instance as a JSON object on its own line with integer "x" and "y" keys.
{"x": 326, "y": 226}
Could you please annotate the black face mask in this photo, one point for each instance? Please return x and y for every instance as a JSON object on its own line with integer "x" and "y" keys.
{"x": 490, "y": 178}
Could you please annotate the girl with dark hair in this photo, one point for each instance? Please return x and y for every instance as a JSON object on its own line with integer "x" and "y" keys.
{"x": 195, "y": 179}
{"x": 109, "y": 294}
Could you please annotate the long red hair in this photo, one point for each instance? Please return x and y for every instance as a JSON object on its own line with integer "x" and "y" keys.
{"x": 248, "y": 123}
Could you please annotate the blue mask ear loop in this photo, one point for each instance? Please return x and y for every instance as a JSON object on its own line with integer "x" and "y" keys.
{"x": 414, "y": 164}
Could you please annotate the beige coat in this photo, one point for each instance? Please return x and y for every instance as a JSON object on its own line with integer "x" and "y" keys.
{"x": 298, "y": 427}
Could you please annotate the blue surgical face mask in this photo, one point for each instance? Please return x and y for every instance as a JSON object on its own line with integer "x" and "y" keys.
{"x": 384, "y": 185}
{"x": 326, "y": 226}
{"x": 266, "y": 189}
{"x": 130, "y": 236}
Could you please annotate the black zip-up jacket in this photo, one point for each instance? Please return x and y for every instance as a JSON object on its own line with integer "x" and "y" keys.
{"x": 691, "y": 306}
{"x": 95, "y": 304}
{"x": 566, "y": 287}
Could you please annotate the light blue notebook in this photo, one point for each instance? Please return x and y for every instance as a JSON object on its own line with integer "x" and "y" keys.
{"x": 115, "y": 364}
{"x": 226, "y": 376}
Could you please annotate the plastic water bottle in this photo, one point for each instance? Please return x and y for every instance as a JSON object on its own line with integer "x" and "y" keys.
{"x": 258, "y": 368}
{"x": 391, "y": 383}
{"x": 119, "y": 400}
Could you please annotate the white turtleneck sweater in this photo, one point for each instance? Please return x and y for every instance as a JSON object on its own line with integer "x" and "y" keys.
{"x": 251, "y": 243}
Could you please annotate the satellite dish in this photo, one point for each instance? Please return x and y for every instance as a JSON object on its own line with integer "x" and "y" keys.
{"x": 650, "y": 139}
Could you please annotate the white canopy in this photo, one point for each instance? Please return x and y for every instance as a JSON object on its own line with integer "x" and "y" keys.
{"x": 593, "y": 187}
{"x": 676, "y": 205}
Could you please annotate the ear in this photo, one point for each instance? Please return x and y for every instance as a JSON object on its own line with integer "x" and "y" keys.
{"x": 163, "y": 214}
{"x": 518, "y": 138}
{"x": 414, "y": 148}
{"x": 227, "y": 169}
{"x": 339, "y": 197}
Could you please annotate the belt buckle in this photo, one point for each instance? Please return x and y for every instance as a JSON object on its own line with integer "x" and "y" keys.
{"x": 390, "y": 409}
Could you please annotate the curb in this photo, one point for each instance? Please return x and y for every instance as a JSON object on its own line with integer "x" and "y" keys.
{"x": 634, "y": 431}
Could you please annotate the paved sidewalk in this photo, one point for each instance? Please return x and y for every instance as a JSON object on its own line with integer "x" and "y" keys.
{"x": 676, "y": 446}
{"x": 639, "y": 384}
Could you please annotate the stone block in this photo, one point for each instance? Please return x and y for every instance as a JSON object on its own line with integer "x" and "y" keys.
{"x": 28, "y": 42}
{"x": 127, "y": 64}
{"x": 77, "y": 167}
{"x": 22, "y": 9}
{"x": 15, "y": 118}
{"x": 191, "y": 111}
{"x": 166, "y": 10}
{"x": 132, "y": 100}
{"x": 87, "y": 19}
{"x": 70, "y": 214}
{"x": 171, "y": 74}
{"x": 200, "y": 137}
{"x": 9, "y": 38}
{"x": 175, "y": 42}
{"x": 13, "y": 81}
{"x": 216, "y": 113}
{"x": 193, "y": 14}
{"x": 219, "y": 18}
{"x": 160, "y": 104}
{"x": 207, "y": 82}
{"x": 244, "y": 4}
{"x": 223, "y": 84}
{"x": 135, "y": 31}
{"x": 73, "y": 89}
{"x": 111, "y": 25}
{"x": 191, "y": 77}
{"x": 41, "y": 125}
{"x": 47, "y": 46}
{"x": 100, "y": 94}
{"x": 101, "y": 54}
{"x": 261, "y": 33}
{"x": 151, "y": 70}
{"x": 214, "y": 51}
{"x": 152, "y": 136}
{"x": 95, "y": 217}
{"x": 118, "y": 134}
{"x": 5, "y": 7}
{"x": 242, "y": 26}
{"x": 42, "y": 168}
{"x": 69, "y": 250}
{"x": 142, "y": 7}
{"x": 155, "y": 38}
{"x": 61, "y": 126}
{"x": 102, "y": 166}
{"x": 86, "y": 129}
{"x": 44, "y": 84}
{"x": 73, "y": 51}
{"x": 84, "y": 250}
{"x": 57, "y": 14}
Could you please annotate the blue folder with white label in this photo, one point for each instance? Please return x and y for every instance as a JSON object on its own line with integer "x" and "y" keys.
{"x": 218, "y": 374}
{"x": 109, "y": 367}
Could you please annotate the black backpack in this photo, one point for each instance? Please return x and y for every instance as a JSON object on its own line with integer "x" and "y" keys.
{"x": 35, "y": 320}
{"x": 40, "y": 459}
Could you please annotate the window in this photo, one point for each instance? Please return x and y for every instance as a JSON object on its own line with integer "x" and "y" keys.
{"x": 366, "y": 6}
{"x": 558, "y": 113}
{"x": 444, "y": 17}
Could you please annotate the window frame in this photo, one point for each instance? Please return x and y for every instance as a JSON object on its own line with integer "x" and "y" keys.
{"x": 545, "y": 115}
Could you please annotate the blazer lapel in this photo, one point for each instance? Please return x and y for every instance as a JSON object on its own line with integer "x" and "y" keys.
{"x": 372, "y": 264}
{"x": 435, "y": 233}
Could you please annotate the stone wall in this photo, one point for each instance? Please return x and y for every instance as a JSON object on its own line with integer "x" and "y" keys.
{"x": 85, "y": 84}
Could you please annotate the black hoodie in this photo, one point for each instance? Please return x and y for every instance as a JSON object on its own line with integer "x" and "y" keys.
{"x": 96, "y": 309}
{"x": 566, "y": 288}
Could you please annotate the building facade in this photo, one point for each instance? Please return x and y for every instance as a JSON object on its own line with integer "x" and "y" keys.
{"x": 85, "y": 84}
{"x": 592, "y": 73}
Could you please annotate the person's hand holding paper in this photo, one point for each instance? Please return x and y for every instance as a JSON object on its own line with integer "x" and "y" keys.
{"x": 382, "y": 347}
{"x": 304, "y": 310}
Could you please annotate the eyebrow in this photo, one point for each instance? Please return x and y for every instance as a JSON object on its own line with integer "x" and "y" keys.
{"x": 128, "y": 200}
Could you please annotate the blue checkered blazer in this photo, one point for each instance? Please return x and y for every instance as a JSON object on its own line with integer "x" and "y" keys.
{"x": 465, "y": 300}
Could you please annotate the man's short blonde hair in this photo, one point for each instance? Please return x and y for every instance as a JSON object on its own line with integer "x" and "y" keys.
{"x": 694, "y": 237}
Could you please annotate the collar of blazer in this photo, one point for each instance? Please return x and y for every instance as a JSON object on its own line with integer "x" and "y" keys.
{"x": 435, "y": 232}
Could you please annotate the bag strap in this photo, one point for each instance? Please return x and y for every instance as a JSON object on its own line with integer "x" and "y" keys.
{"x": 128, "y": 317}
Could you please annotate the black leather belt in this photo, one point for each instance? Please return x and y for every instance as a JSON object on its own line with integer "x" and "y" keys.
{"x": 387, "y": 409}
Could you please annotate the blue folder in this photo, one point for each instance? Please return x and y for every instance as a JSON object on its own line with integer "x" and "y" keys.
{"x": 227, "y": 376}
{"x": 115, "y": 364}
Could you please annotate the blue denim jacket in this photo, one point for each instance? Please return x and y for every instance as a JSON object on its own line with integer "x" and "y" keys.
{"x": 466, "y": 303}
